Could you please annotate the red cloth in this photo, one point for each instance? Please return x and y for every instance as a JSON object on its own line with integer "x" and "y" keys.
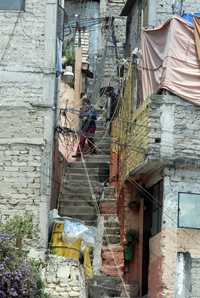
{"x": 89, "y": 136}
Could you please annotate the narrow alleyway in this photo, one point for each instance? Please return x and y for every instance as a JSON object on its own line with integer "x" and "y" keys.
{"x": 76, "y": 198}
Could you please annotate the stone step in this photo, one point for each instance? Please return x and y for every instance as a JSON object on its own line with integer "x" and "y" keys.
{"x": 78, "y": 190}
{"x": 92, "y": 172}
{"x": 109, "y": 192}
{"x": 99, "y": 158}
{"x": 111, "y": 239}
{"x": 111, "y": 223}
{"x": 83, "y": 217}
{"x": 102, "y": 145}
{"x": 77, "y": 203}
{"x": 81, "y": 177}
{"x": 101, "y": 132}
{"x": 73, "y": 210}
{"x": 89, "y": 164}
{"x": 103, "y": 141}
{"x": 74, "y": 196}
{"x": 72, "y": 183}
{"x": 91, "y": 222}
{"x": 115, "y": 230}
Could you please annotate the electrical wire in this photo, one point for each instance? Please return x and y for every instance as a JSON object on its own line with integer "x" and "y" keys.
{"x": 10, "y": 37}
{"x": 99, "y": 213}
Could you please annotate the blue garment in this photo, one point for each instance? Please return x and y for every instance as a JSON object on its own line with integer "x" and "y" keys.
{"x": 89, "y": 117}
{"x": 188, "y": 17}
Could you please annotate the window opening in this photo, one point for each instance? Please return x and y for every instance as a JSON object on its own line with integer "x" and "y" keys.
{"x": 12, "y": 4}
{"x": 189, "y": 210}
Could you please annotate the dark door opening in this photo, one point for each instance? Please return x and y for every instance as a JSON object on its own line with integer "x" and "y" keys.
{"x": 151, "y": 226}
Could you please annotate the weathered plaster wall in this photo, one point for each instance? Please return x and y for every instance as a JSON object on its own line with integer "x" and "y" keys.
{"x": 172, "y": 240}
{"x": 27, "y": 89}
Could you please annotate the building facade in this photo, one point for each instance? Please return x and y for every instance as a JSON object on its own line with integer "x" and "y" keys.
{"x": 28, "y": 111}
{"x": 154, "y": 167}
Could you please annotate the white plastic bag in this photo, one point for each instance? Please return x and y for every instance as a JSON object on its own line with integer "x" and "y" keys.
{"x": 73, "y": 230}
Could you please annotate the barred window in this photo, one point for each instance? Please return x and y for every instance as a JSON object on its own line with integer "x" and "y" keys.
{"x": 12, "y": 4}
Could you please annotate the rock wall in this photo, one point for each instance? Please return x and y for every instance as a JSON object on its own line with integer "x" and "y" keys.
{"x": 64, "y": 278}
{"x": 27, "y": 89}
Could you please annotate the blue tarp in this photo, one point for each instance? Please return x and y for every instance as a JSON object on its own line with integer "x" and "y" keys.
{"x": 188, "y": 17}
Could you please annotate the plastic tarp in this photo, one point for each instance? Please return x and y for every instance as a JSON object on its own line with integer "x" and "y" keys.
{"x": 189, "y": 17}
{"x": 170, "y": 61}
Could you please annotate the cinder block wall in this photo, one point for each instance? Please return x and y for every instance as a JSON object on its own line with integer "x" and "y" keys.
{"x": 27, "y": 89}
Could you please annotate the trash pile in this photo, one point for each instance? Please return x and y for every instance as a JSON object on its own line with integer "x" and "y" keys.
{"x": 72, "y": 239}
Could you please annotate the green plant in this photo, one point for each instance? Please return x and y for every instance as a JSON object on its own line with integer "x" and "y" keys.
{"x": 133, "y": 205}
{"x": 18, "y": 228}
{"x": 132, "y": 238}
{"x": 69, "y": 57}
{"x": 19, "y": 276}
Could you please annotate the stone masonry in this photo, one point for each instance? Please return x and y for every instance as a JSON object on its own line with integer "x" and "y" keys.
{"x": 27, "y": 89}
{"x": 64, "y": 278}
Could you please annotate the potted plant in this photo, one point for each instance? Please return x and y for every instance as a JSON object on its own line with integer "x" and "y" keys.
{"x": 132, "y": 238}
{"x": 134, "y": 205}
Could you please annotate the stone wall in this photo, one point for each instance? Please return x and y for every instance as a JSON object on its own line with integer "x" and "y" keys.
{"x": 27, "y": 89}
{"x": 64, "y": 278}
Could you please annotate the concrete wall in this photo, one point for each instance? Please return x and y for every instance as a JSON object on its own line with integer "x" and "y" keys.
{"x": 158, "y": 132}
{"x": 164, "y": 8}
{"x": 169, "y": 271}
{"x": 27, "y": 89}
{"x": 175, "y": 122}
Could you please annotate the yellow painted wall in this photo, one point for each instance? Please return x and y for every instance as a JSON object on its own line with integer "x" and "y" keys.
{"x": 130, "y": 129}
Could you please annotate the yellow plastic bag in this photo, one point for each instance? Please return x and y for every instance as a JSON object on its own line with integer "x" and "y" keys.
{"x": 61, "y": 248}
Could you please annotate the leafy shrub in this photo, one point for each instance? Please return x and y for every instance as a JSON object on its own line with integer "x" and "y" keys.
{"x": 19, "y": 276}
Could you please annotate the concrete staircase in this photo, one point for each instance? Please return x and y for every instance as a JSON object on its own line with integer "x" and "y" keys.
{"x": 75, "y": 199}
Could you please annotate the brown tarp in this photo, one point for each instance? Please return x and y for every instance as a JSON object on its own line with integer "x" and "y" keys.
{"x": 197, "y": 34}
{"x": 170, "y": 61}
